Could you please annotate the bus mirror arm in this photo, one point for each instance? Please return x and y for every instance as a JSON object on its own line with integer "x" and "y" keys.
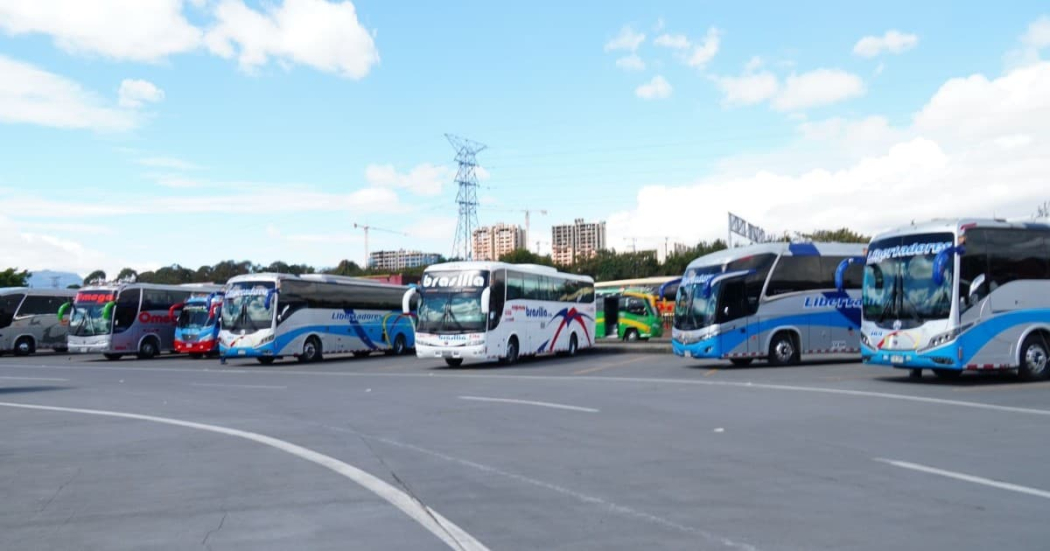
{"x": 840, "y": 272}
{"x": 940, "y": 262}
{"x": 485, "y": 295}
{"x": 406, "y": 300}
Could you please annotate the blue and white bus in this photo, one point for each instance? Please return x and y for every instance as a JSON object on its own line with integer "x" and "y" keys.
{"x": 956, "y": 295}
{"x": 775, "y": 301}
{"x": 270, "y": 316}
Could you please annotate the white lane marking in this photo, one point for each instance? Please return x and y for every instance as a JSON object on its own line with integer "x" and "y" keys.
{"x": 223, "y": 385}
{"x": 562, "y": 378}
{"x": 453, "y": 536}
{"x": 33, "y": 379}
{"x": 967, "y": 478}
{"x": 528, "y": 403}
{"x": 592, "y": 500}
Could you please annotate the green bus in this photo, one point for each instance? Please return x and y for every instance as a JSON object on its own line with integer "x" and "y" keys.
{"x": 627, "y": 315}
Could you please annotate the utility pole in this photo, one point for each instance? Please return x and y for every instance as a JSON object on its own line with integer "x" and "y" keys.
{"x": 467, "y": 197}
{"x": 366, "y": 229}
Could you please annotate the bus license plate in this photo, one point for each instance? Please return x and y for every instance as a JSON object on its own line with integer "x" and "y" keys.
{"x": 241, "y": 352}
{"x": 896, "y": 359}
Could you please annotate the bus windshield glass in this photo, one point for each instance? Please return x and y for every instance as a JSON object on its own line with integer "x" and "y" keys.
{"x": 193, "y": 316}
{"x": 898, "y": 280}
{"x": 88, "y": 318}
{"x": 451, "y": 302}
{"x": 692, "y": 310}
{"x": 245, "y": 306}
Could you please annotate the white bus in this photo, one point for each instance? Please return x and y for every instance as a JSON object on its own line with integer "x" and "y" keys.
{"x": 498, "y": 311}
{"x": 122, "y": 318}
{"x": 775, "y": 301}
{"x": 269, "y": 316}
{"x": 28, "y": 322}
{"x": 960, "y": 294}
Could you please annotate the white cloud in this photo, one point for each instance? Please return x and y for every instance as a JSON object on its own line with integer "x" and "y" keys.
{"x": 893, "y": 42}
{"x": 32, "y": 95}
{"x": 747, "y": 89}
{"x": 657, "y": 88}
{"x": 673, "y": 41}
{"x": 753, "y": 64}
{"x": 705, "y": 52}
{"x": 631, "y": 63}
{"x": 1035, "y": 38}
{"x": 627, "y": 40}
{"x": 136, "y": 30}
{"x": 980, "y": 146}
{"x": 816, "y": 88}
{"x": 25, "y": 247}
{"x": 134, "y": 92}
{"x": 323, "y": 35}
{"x": 167, "y": 162}
{"x": 425, "y": 179}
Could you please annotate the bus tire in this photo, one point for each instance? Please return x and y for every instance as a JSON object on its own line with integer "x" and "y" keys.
{"x": 24, "y": 346}
{"x": 783, "y": 350}
{"x": 512, "y": 351}
{"x": 148, "y": 349}
{"x": 196, "y": 355}
{"x": 574, "y": 345}
{"x": 112, "y": 357}
{"x": 265, "y": 360}
{"x": 400, "y": 347}
{"x": 453, "y": 362}
{"x": 947, "y": 374}
{"x": 631, "y": 335}
{"x": 1033, "y": 362}
{"x": 311, "y": 350}
{"x": 741, "y": 362}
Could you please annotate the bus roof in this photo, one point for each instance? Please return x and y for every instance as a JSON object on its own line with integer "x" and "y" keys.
{"x": 719, "y": 258}
{"x": 952, "y": 225}
{"x": 639, "y": 282}
{"x": 114, "y": 286}
{"x": 317, "y": 278}
{"x": 37, "y": 291}
{"x": 486, "y": 265}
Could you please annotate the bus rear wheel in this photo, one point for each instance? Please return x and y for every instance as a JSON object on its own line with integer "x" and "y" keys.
{"x": 782, "y": 349}
{"x": 1034, "y": 353}
{"x": 400, "y": 347}
{"x": 574, "y": 345}
{"x": 24, "y": 346}
{"x": 454, "y": 362}
{"x": 148, "y": 349}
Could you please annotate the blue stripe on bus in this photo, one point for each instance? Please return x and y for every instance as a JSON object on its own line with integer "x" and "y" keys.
{"x": 851, "y": 314}
{"x": 803, "y": 249}
{"x": 735, "y": 338}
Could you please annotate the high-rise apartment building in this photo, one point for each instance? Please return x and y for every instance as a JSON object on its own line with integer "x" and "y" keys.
{"x": 579, "y": 240}
{"x": 400, "y": 259}
{"x": 492, "y": 242}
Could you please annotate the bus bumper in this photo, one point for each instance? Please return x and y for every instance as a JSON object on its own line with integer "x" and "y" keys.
{"x": 200, "y": 347}
{"x": 702, "y": 349}
{"x": 90, "y": 345}
{"x": 261, "y": 351}
{"x": 461, "y": 352}
{"x": 938, "y": 358}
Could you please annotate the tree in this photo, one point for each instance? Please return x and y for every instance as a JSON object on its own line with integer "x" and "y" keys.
{"x": 284, "y": 268}
{"x": 97, "y": 274}
{"x": 525, "y": 256}
{"x": 346, "y": 268}
{"x": 841, "y": 235}
{"x": 73, "y": 286}
{"x": 127, "y": 273}
{"x": 11, "y": 277}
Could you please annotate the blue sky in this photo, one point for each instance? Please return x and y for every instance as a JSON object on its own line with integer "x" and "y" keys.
{"x": 263, "y": 131}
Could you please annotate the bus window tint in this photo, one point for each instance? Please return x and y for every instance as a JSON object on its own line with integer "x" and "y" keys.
{"x": 532, "y": 287}
{"x": 515, "y": 286}
{"x": 126, "y": 309}
{"x": 497, "y": 292}
{"x": 852, "y": 278}
{"x": 8, "y": 307}
{"x": 797, "y": 273}
{"x": 760, "y": 263}
{"x": 1016, "y": 254}
{"x": 39, "y": 305}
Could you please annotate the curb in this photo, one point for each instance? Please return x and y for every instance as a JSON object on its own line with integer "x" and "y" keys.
{"x": 636, "y": 348}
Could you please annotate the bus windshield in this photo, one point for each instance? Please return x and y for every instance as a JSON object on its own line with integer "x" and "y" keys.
{"x": 193, "y": 316}
{"x": 244, "y": 307}
{"x": 88, "y": 317}
{"x": 692, "y": 310}
{"x": 898, "y": 280}
{"x": 451, "y": 302}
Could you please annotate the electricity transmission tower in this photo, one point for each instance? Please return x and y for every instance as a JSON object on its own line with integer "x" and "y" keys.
{"x": 467, "y": 197}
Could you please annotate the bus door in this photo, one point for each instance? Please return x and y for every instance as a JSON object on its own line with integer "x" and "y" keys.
{"x": 611, "y": 303}
{"x": 733, "y": 315}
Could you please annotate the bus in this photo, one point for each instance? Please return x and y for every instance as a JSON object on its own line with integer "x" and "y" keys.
{"x": 775, "y": 301}
{"x": 28, "y": 322}
{"x": 270, "y": 316}
{"x": 498, "y": 311}
{"x": 627, "y": 315}
{"x": 959, "y": 295}
{"x": 123, "y": 318}
{"x": 197, "y": 324}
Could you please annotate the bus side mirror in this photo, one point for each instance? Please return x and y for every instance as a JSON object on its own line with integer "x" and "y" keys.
{"x": 975, "y": 288}
{"x": 485, "y": 300}
{"x": 107, "y": 310}
{"x": 840, "y": 272}
{"x": 63, "y": 309}
{"x": 173, "y": 309}
{"x": 269, "y": 298}
{"x": 940, "y": 263}
{"x": 406, "y": 300}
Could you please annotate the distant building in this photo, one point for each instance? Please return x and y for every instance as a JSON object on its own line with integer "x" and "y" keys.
{"x": 400, "y": 259}
{"x": 492, "y": 242}
{"x": 579, "y": 240}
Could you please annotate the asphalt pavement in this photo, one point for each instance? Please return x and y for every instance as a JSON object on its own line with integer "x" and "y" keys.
{"x": 600, "y": 451}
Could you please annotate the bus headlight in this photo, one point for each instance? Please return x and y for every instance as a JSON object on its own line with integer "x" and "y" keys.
{"x": 947, "y": 336}
{"x": 267, "y": 339}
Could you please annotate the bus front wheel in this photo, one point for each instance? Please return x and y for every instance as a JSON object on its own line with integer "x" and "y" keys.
{"x": 512, "y": 352}
{"x": 782, "y": 349}
{"x": 24, "y": 346}
{"x": 148, "y": 349}
{"x": 265, "y": 360}
{"x": 574, "y": 345}
{"x": 400, "y": 346}
{"x": 631, "y": 335}
{"x": 454, "y": 362}
{"x": 1033, "y": 364}
{"x": 311, "y": 351}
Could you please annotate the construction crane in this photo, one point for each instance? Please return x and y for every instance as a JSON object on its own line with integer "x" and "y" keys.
{"x": 373, "y": 228}
{"x": 527, "y": 212}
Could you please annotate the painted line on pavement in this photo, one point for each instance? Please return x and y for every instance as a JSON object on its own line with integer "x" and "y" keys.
{"x": 607, "y": 366}
{"x": 967, "y": 478}
{"x": 562, "y": 378}
{"x": 710, "y": 372}
{"x": 222, "y": 385}
{"x": 579, "y": 496}
{"x": 1005, "y": 386}
{"x": 33, "y": 379}
{"x": 528, "y": 403}
{"x": 451, "y": 534}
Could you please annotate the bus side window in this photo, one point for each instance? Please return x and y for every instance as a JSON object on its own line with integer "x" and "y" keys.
{"x": 126, "y": 310}
{"x": 515, "y": 286}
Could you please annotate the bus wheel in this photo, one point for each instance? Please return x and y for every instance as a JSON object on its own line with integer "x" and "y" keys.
{"x": 782, "y": 349}
{"x": 574, "y": 345}
{"x": 311, "y": 351}
{"x": 741, "y": 362}
{"x": 454, "y": 362}
{"x": 631, "y": 335}
{"x": 265, "y": 360}
{"x": 24, "y": 346}
{"x": 512, "y": 351}
{"x": 112, "y": 357}
{"x": 196, "y": 355}
{"x": 1033, "y": 363}
{"x": 148, "y": 349}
